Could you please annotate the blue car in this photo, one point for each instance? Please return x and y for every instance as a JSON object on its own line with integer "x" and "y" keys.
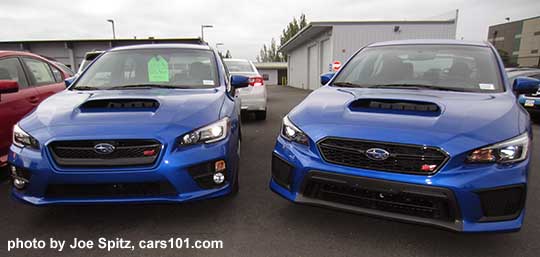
{"x": 421, "y": 131}
{"x": 531, "y": 102}
{"x": 147, "y": 123}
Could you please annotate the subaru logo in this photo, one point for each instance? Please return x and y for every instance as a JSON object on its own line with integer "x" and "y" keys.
{"x": 104, "y": 148}
{"x": 377, "y": 154}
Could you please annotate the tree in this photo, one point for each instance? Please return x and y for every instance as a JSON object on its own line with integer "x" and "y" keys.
{"x": 227, "y": 54}
{"x": 270, "y": 53}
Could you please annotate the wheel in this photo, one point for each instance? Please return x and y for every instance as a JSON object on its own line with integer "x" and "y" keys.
{"x": 260, "y": 115}
{"x": 244, "y": 115}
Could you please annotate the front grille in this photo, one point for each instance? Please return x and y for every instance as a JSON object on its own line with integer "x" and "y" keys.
{"x": 148, "y": 189}
{"x": 502, "y": 203}
{"x": 127, "y": 153}
{"x": 413, "y": 159}
{"x": 407, "y": 199}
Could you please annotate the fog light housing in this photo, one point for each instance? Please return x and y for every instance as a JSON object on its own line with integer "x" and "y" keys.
{"x": 219, "y": 178}
{"x": 19, "y": 183}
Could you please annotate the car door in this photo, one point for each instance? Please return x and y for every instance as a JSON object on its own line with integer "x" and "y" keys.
{"x": 47, "y": 79}
{"x": 14, "y": 106}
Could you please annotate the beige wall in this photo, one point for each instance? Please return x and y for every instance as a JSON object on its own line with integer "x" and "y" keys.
{"x": 529, "y": 42}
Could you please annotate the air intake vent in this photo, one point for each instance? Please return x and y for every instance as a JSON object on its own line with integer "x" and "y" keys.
{"x": 121, "y": 104}
{"x": 396, "y": 106}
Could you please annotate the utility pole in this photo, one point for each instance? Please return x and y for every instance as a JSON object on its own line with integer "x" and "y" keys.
{"x": 113, "y": 31}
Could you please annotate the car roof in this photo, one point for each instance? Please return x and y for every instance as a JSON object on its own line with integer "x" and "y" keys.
{"x": 430, "y": 42}
{"x": 161, "y": 46}
{"x": 236, "y": 60}
{"x": 11, "y": 53}
{"x": 526, "y": 72}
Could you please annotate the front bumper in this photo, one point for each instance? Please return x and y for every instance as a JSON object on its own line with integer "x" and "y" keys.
{"x": 171, "y": 179}
{"x": 455, "y": 198}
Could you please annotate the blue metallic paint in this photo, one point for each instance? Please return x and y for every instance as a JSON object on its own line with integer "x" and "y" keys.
{"x": 180, "y": 111}
{"x": 467, "y": 121}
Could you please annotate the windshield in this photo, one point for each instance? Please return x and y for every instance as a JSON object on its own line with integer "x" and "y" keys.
{"x": 437, "y": 67}
{"x": 239, "y": 66}
{"x": 170, "y": 68}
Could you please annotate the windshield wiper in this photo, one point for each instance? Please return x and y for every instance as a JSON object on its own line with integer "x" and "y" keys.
{"x": 144, "y": 86}
{"x": 418, "y": 86}
{"x": 81, "y": 88}
{"x": 346, "y": 84}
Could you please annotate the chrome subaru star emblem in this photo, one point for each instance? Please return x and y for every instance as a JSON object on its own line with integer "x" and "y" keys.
{"x": 104, "y": 148}
{"x": 377, "y": 154}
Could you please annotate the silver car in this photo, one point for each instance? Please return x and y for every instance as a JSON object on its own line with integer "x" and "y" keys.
{"x": 253, "y": 97}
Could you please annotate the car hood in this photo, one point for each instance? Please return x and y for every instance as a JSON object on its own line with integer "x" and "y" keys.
{"x": 464, "y": 121}
{"x": 74, "y": 112}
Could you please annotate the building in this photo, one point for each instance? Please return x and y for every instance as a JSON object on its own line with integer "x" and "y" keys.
{"x": 273, "y": 73}
{"x": 71, "y": 52}
{"x": 518, "y": 42}
{"x": 312, "y": 51}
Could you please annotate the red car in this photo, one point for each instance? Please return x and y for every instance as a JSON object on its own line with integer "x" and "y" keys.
{"x": 25, "y": 80}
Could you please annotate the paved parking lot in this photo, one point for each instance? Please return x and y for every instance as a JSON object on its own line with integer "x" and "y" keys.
{"x": 257, "y": 222}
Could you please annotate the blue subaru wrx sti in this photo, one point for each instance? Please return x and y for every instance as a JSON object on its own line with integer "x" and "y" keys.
{"x": 148, "y": 123}
{"x": 422, "y": 131}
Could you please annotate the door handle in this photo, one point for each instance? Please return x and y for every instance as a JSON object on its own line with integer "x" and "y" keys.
{"x": 33, "y": 99}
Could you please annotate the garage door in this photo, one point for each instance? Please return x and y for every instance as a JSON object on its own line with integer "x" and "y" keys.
{"x": 326, "y": 56}
{"x": 313, "y": 68}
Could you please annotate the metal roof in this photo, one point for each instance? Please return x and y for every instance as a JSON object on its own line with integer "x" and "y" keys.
{"x": 317, "y": 27}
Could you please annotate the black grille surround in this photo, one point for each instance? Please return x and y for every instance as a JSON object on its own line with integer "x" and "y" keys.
{"x": 402, "y": 201}
{"x": 111, "y": 190}
{"x": 403, "y": 158}
{"x": 502, "y": 203}
{"x": 127, "y": 153}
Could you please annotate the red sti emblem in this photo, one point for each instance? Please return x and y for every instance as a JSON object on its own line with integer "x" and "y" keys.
{"x": 427, "y": 167}
{"x": 149, "y": 152}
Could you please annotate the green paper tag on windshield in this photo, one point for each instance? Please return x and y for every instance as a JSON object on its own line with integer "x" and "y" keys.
{"x": 158, "y": 69}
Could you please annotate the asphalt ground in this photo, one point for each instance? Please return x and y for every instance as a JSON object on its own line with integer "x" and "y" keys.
{"x": 257, "y": 222}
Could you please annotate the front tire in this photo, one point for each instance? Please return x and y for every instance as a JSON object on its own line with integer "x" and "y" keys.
{"x": 236, "y": 185}
{"x": 260, "y": 115}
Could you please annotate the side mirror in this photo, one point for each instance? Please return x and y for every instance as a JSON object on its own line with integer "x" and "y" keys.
{"x": 326, "y": 77}
{"x": 239, "y": 81}
{"x": 8, "y": 86}
{"x": 69, "y": 81}
{"x": 526, "y": 85}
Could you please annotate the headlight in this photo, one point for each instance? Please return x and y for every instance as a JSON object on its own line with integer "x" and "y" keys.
{"x": 292, "y": 133}
{"x": 23, "y": 139}
{"x": 509, "y": 151}
{"x": 208, "y": 134}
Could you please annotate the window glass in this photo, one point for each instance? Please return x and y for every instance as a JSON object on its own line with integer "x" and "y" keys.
{"x": 39, "y": 71}
{"x": 239, "y": 66}
{"x": 10, "y": 69}
{"x": 461, "y": 68}
{"x": 181, "y": 68}
{"x": 57, "y": 74}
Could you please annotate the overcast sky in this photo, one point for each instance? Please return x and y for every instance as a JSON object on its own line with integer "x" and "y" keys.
{"x": 243, "y": 26}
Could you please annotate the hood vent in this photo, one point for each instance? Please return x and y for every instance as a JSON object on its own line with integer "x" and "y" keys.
{"x": 120, "y": 105}
{"x": 396, "y": 106}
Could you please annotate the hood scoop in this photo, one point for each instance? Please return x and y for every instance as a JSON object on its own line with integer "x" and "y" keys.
{"x": 104, "y": 105}
{"x": 395, "y": 107}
